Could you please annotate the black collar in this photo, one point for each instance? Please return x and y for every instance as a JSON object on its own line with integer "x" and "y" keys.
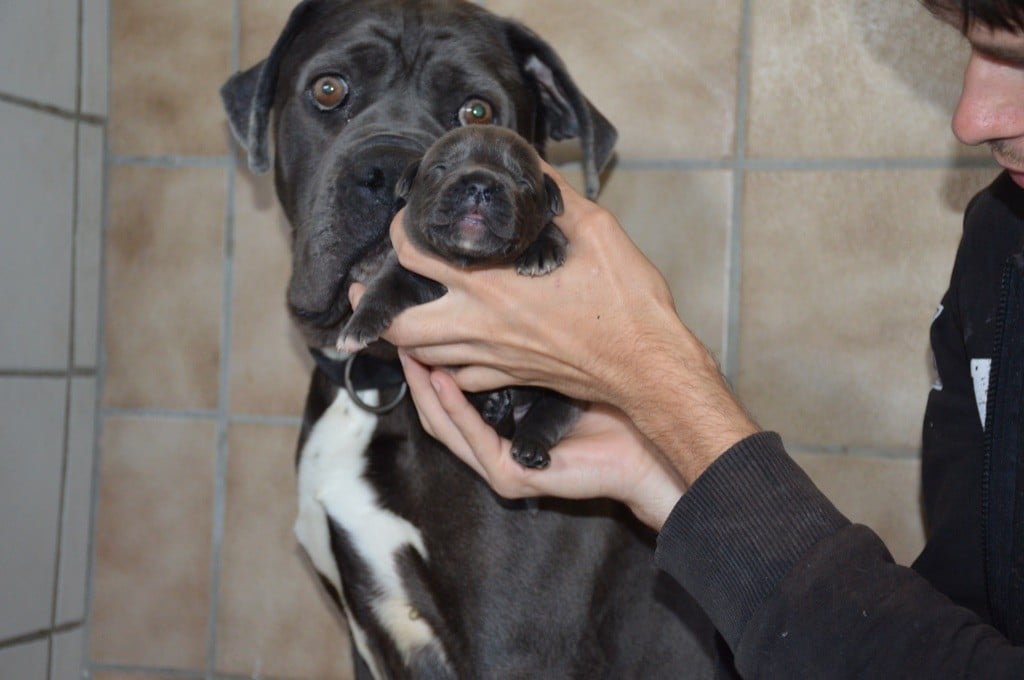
{"x": 359, "y": 372}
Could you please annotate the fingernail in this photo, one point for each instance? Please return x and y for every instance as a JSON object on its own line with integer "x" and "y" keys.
{"x": 435, "y": 384}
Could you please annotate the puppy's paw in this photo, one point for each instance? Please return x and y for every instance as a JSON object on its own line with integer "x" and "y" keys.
{"x": 530, "y": 453}
{"x": 540, "y": 261}
{"x": 357, "y": 334}
{"x": 544, "y": 255}
{"x": 497, "y": 407}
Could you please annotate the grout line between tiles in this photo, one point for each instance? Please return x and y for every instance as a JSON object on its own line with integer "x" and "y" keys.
{"x": 224, "y": 379}
{"x": 101, "y": 368}
{"x": 173, "y": 161}
{"x": 853, "y": 451}
{"x": 53, "y": 110}
{"x": 76, "y": 165}
{"x": 168, "y": 414}
{"x": 39, "y": 635}
{"x": 734, "y": 263}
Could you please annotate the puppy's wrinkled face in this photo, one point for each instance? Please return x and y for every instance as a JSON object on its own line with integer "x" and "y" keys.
{"x": 478, "y": 197}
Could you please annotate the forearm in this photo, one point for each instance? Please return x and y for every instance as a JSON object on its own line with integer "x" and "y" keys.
{"x": 796, "y": 590}
{"x": 676, "y": 395}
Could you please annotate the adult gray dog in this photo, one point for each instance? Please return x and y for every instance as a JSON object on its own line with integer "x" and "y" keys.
{"x": 437, "y": 576}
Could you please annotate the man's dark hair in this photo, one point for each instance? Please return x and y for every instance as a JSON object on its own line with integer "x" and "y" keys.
{"x": 995, "y": 14}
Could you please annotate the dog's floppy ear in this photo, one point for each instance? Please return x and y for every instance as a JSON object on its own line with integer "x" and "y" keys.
{"x": 249, "y": 95}
{"x": 564, "y": 111}
{"x": 554, "y": 196}
{"x": 404, "y": 185}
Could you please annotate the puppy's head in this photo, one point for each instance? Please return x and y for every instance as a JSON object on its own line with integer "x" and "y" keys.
{"x": 478, "y": 196}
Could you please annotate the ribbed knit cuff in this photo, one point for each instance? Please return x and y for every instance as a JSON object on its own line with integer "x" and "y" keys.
{"x": 741, "y": 527}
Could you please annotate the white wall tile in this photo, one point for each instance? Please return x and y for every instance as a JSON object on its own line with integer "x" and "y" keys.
{"x": 38, "y": 48}
{"x": 95, "y": 55}
{"x": 36, "y": 194}
{"x": 31, "y": 443}
{"x": 88, "y": 243}
{"x": 67, "y": 655}
{"x": 24, "y": 662}
{"x": 74, "y": 541}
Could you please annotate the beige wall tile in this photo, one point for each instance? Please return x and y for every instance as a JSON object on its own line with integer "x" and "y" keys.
{"x": 841, "y": 274}
{"x": 881, "y": 493}
{"x": 152, "y": 543}
{"x": 663, "y": 72}
{"x": 164, "y": 272}
{"x": 270, "y": 366}
{"x": 272, "y": 618}
{"x": 680, "y": 220}
{"x": 261, "y": 23}
{"x": 168, "y": 60}
{"x": 835, "y": 78}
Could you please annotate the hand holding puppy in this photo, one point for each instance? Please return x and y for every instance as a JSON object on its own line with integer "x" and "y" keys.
{"x": 602, "y": 328}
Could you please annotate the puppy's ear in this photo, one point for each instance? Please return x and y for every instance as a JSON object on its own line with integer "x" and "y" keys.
{"x": 554, "y": 196}
{"x": 249, "y": 95}
{"x": 404, "y": 185}
{"x": 564, "y": 112}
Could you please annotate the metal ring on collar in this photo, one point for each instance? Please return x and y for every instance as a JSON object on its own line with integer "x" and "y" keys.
{"x": 378, "y": 410}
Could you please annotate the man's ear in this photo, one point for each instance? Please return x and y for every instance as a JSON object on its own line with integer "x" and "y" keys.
{"x": 563, "y": 112}
{"x": 404, "y": 185}
{"x": 554, "y": 196}
{"x": 249, "y": 95}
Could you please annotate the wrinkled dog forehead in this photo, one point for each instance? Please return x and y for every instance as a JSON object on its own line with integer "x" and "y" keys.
{"x": 485, "y": 145}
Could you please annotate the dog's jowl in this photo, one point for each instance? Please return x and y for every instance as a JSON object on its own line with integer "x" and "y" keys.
{"x": 436, "y": 575}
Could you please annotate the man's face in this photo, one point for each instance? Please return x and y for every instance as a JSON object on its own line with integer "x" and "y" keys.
{"x": 991, "y": 108}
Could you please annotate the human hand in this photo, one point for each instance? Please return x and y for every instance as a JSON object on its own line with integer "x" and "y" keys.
{"x": 604, "y": 456}
{"x": 568, "y": 331}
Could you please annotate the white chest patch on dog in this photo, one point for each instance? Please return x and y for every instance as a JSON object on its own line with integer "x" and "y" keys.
{"x": 332, "y": 484}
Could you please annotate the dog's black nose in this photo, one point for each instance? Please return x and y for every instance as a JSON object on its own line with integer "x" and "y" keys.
{"x": 479, "y": 191}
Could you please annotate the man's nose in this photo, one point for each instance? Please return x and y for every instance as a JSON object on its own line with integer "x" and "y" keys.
{"x": 991, "y": 103}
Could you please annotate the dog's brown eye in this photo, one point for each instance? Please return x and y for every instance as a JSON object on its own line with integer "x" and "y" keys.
{"x": 476, "y": 112}
{"x": 329, "y": 92}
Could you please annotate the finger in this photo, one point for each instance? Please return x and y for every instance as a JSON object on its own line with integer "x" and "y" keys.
{"x": 432, "y": 415}
{"x": 355, "y": 293}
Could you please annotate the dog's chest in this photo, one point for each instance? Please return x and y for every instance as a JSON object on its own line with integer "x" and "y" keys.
{"x": 335, "y": 495}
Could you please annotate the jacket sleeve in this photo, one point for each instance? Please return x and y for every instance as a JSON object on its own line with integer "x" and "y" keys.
{"x": 797, "y": 591}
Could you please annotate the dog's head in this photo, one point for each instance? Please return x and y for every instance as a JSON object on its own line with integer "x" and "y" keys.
{"x": 353, "y": 91}
{"x": 478, "y": 196}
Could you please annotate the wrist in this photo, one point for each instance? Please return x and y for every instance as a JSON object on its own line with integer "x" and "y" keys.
{"x": 679, "y": 399}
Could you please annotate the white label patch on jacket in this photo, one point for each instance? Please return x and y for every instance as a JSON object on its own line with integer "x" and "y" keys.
{"x": 937, "y": 383}
{"x": 980, "y": 369}
{"x": 331, "y": 483}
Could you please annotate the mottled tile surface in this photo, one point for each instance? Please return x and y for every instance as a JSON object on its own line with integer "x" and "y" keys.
{"x": 168, "y": 60}
{"x": 835, "y": 78}
{"x": 164, "y": 279}
{"x": 153, "y": 541}
{"x": 270, "y": 366}
{"x": 842, "y": 272}
{"x": 664, "y": 73}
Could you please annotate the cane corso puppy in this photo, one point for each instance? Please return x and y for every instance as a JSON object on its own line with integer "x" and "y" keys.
{"x": 437, "y": 576}
{"x": 481, "y": 199}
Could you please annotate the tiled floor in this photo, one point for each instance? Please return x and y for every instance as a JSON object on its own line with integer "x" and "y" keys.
{"x": 786, "y": 163}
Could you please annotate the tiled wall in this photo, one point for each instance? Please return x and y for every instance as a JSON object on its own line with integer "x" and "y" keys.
{"x": 53, "y": 122}
{"x": 787, "y": 163}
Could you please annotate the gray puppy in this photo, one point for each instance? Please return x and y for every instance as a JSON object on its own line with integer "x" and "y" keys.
{"x": 477, "y": 198}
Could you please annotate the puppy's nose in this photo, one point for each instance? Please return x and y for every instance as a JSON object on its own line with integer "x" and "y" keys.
{"x": 479, "y": 191}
